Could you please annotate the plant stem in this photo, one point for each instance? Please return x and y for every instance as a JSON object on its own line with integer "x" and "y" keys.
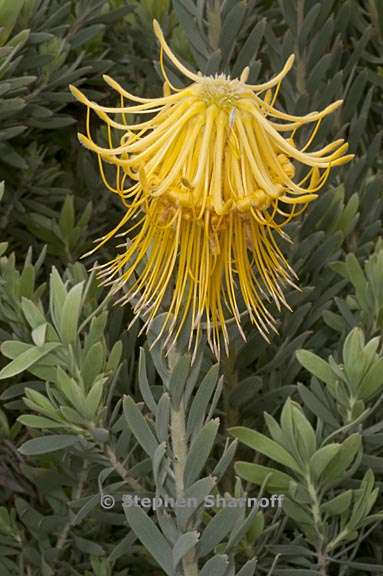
{"x": 121, "y": 470}
{"x": 61, "y": 540}
{"x": 179, "y": 445}
{"x": 317, "y": 516}
{"x": 230, "y": 383}
{"x": 322, "y": 564}
{"x": 231, "y": 414}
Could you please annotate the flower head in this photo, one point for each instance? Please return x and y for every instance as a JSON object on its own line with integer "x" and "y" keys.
{"x": 207, "y": 181}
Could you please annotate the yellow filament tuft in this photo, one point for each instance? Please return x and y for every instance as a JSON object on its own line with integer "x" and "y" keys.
{"x": 207, "y": 182}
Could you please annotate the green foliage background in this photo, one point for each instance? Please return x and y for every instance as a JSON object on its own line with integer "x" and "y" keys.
{"x": 85, "y": 407}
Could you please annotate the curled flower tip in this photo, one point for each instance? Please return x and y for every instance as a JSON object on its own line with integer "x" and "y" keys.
{"x": 157, "y": 29}
{"x": 289, "y": 63}
{"x": 209, "y": 177}
{"x": 112, "y": 83}
{"x": 277, "y": 79}
{"x": 78, "y": 94}
{"x": 334, "y": 106}
{"x": 166, "y": 48}
{"x": 245, "y": 74}
{"x": 88, "y": 144}
{"x": 343, "y": 160}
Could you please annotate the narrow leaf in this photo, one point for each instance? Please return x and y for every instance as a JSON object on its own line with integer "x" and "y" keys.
{"x": 150, "y": 536}
{"x": 138, "y": 425}
{"x": 46, "y": 444}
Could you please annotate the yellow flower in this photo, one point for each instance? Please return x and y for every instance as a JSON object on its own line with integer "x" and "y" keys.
{"x": 206, "y": 182}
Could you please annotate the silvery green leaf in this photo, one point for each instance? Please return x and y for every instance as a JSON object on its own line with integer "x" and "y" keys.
{"x": 97, "y": 329}
{"x": 240, "y": 529}
{"x": 374, "y": 462}
{"x": 304, "y": 432}
{"x": 266, "y": 446}
{"x": 40, "y": 400}
{"x": 9, "y": 133}
{"x": 155, "y": 348}
{"x": 27, "y": 280}
{"x": 177, "y": 380}
{"x": 338, "y": 505}
{"x": 194, "y": 373}
{"x": 158, "y": 458}
{"x": 200, "y": 450}
{"x": 185, "y": 543}
{"x": 39, "y": 422}
{"x": 93, "y": 363}
{"x": 291, "y": 550}
{"x": 39, "y": 334}
{"x": 249, "y": 50}
{"x": 353, "y": 357}
{"x": 319, "y": 71}
{"x": 57, "y": 295}
{"x": 216, "y": 566}
{"x": 11, "y": 157}
{"x": 70, "y": 415}
{"x": 71, "y": 314}
{"x": 297, "y": 511}
{"x": 88, "y": 547}
{"x": 364, "y": 500}
{"x": 257, "y": 474}
{"x": 27, "y": 359}
{"x": 162, "y": 418}
{"x": 87, "y": 34}
{"x": 167, "y": 525}
{"x": 45, "y": 444}
{"x": 230, "y": 28}
{"x": 94, "y": 396}
{"x": 13, "y": 348}
{"x": 31, "y": 517}
{"x": 350, "y": 216}
{"x": 197, "y": 41}
{"x": 372, "y": 381}
{"x": 347, "y": 454}
{"x": 216, "y": 397}
{"x": 226, "y": 459}
{"x": 151, "y": 537}
{"x": 316, "y": 405}
{"x": 308, "y": 23}
{"x": 248, "y": 569}
{"x": 123, "y": 547}
{"x": 67, "y": 216}
{"x": 198, "y": 491}
{"x": 213, "y": 63}
{"x": 322, "y": 458}
{"x": 72, "y": 390}
{"x": 346, "y": 313}
{"x": 114, "y": 358}
{"x": 218, "y": 528}
{"x": 316, "y": 366}
{"x": 144, "y": 383}
{"x": 13, "y": 106}
{"x": 298, "y": 431}
{"x": 198, "y": 408}
{"x": 138, "y": 425}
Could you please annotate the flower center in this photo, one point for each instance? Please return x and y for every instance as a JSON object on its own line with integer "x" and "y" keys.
{"x": 220, "y": 90}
